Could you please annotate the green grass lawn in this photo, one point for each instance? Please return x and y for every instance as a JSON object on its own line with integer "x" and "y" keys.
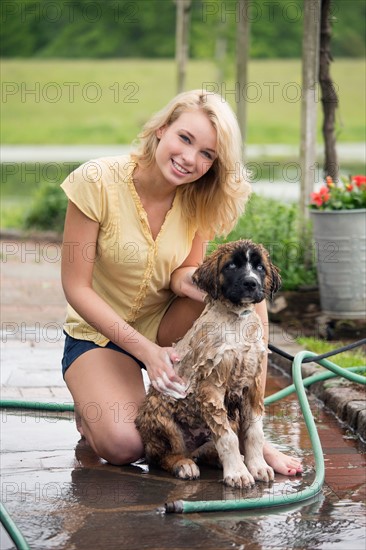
{"x": 352, "y": 358}
{"x": 107, "y": 101}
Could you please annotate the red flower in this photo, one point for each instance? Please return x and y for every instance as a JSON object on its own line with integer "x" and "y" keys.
{"x": 347, "y": 194}
{"x": 324, "y": 193}
{"x": 330, "y": 182}
{"x": 321, "y": 197}
{"x": 316, "y": 199}
{"x": 359, "y": 180}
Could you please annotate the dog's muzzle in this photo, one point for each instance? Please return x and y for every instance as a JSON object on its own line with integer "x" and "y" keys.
{"x": 246, "y": 290}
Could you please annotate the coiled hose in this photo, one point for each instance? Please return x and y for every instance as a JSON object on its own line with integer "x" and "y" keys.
{"x": 182, "y": 506}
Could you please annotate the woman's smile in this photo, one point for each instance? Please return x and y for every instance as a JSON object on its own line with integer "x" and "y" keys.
{"x": 179, "y": 168}
{"x": 186, "y": 149}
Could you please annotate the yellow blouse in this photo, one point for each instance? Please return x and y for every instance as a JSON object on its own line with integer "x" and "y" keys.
{"x": 131, "y": 270}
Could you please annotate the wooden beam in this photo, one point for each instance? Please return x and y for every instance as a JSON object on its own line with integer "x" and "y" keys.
{"x": 182, "y": 41}
{"x": 310, "y": 64}
{"x": 242, "y": 58}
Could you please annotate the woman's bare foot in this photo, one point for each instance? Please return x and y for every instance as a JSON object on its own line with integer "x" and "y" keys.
{"x": 281, "y": 463}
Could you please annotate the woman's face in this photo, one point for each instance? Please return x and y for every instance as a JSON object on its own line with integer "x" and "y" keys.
{"x": 187, "y": 148}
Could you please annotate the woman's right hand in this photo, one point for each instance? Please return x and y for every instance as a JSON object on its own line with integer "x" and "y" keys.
{"x": 161, "y": 372}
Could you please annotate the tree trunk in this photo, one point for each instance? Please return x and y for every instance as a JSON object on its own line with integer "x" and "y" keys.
{"x": 329, "y": 96}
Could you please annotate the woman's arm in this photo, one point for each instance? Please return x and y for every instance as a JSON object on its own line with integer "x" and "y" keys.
{"x": 181, "y": 279}
{"x": 261, "y": 310}
{"x": 81, "y": 234}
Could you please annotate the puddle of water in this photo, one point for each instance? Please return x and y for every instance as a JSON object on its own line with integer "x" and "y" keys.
{"x": 62, "y": 496}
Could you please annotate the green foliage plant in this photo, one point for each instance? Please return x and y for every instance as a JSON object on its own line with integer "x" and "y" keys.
{"x": 265, "y": 221}
{"x": 48, "y": 209}
{"x": 349, "y": 194}
{"x": 146, "y": 28}
{"x": 276, "y": 226}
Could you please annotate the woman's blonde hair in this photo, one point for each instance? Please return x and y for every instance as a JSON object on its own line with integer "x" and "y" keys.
{"x": 215, "y": 201}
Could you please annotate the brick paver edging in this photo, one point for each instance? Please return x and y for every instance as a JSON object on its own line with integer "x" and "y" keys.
{"x": 345, "y": 399}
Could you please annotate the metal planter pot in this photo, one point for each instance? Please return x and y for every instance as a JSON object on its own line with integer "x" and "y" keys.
{"x": 340, "y": 246}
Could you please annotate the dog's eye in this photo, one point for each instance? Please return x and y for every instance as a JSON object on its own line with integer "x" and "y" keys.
{"x": 260, "y": 267}
{"x": 231, "y": 265}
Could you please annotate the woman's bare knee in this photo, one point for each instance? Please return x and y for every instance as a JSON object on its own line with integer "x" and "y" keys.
{"x": 117, "y": 446}
{"x": 122, "y": 452}
{"x": 107, "y": 388}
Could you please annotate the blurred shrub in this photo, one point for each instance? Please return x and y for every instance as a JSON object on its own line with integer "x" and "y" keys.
{"x": 48, "y": 209}
{"x": 276, "y": 226}
{"x": 266, "y": 221}
{"x": 141, "y": 28}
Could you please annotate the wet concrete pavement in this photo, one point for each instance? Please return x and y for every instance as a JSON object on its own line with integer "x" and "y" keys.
{"x": 63, "y": 497}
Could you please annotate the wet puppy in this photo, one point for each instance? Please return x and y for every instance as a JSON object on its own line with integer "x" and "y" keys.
{"x": 220, "y": 361}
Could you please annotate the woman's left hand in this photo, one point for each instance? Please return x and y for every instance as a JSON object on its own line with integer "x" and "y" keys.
{"x": 182, "y": 285}
{"x": 181, "y": 279}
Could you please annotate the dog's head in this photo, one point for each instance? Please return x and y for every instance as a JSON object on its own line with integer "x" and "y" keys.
{"x": 240, "y": 272}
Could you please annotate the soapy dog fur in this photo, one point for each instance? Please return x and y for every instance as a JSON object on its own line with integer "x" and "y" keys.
{"x": 220, "y": 418}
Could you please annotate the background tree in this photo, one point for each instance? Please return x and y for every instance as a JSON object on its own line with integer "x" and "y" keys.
{"x": 141, "y": 28}
{"x": 329, "y": 95}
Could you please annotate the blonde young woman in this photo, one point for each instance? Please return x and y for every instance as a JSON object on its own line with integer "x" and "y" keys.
{"x": 135, "y": 231}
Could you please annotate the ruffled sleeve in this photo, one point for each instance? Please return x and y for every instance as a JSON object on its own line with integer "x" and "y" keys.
{"x": 84, "y": 187}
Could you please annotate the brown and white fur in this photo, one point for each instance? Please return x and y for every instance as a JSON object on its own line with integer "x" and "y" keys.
{"x": 220, "y": 360}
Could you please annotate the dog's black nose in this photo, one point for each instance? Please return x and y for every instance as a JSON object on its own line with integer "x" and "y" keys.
{"x": 250, "y": 283}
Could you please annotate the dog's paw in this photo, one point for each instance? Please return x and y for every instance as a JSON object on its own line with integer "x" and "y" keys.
{"x": 261, "y": 471}
{"x": 186, "y": 469}
{"x": 239, "y": 479}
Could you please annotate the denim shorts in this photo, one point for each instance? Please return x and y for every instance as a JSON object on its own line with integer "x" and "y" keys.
{"x": 74, "y": 348}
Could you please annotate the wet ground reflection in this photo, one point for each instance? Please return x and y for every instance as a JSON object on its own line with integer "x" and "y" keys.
{"x": 62, "y": 496}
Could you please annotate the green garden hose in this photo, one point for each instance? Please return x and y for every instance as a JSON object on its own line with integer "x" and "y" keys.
{"x": 35, "y": 405}
{"x": 318, "y": 377}
{"x": 12, "y": 530}
{"x": 184, "y": 506}
{"x": 221, "y": 505}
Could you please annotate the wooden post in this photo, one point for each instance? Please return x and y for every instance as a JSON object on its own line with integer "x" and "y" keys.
{"x": 310, "y": 64}
{"x": 182, "y": 41}
{"x": 221, "y": 50}
{"x": 242, "y": 57}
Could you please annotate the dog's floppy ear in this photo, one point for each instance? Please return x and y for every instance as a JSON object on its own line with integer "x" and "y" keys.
{"x": 206, "y": 276}
{"x": 275, "y": 279}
